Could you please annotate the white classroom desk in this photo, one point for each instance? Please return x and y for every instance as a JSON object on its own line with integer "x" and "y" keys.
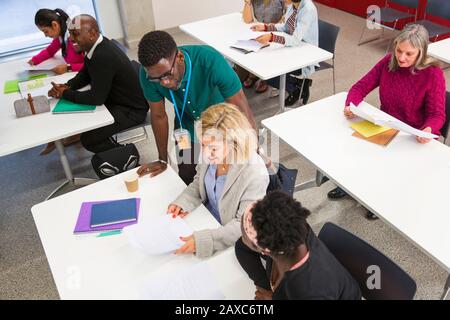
{"x": 406, "y": 184}
{"x": 223, "y": 31}
{"x": 17, "y": 134}
{"x": 109, "y": 267}
{"x": 440, "y": 50}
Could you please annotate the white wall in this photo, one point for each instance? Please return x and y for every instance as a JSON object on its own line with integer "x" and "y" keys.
{"x": 109, "y": 18}
{"x": 172, "y": 13}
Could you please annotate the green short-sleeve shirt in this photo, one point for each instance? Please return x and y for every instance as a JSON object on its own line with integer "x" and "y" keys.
{"x": 213, "y": 81}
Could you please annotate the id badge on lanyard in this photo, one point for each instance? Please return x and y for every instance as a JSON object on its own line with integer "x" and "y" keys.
{"x": 182, "y": 136}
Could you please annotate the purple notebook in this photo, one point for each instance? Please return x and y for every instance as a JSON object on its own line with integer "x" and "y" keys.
{"x": 84, "y": 219}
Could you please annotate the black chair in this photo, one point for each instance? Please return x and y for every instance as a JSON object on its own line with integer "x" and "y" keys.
{"x": 437, "y": 8}
{"x": 445, "y": 128}
{"x": 120, "y": 46}
{"x": 357, "y": 256}
{"x": 328, "y": 34}
{"x": 144, "y": 135}
{"x": 389, "y": 16}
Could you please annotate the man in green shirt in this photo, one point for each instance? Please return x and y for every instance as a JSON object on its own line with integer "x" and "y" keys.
{"x": 193, "y": 78}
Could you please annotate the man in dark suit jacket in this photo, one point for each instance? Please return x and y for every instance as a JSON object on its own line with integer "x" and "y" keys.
{"x": 113, "y": 80}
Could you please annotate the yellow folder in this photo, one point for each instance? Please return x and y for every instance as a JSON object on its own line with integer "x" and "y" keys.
{"x": 368, "y": 129}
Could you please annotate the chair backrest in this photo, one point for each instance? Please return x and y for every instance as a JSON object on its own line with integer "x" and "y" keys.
{"x": 328, "y": 34}
{"x": 439, "y": 8}
{"x": 413, "y": 4}
{"x": 357, "y": 256}
{"x": 120, "y": 46}
{"x": 136, "y": 66}
{"x": 444, "y": 130}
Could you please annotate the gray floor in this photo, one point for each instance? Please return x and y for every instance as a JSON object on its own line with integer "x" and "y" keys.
{"x": 27, "y": 179}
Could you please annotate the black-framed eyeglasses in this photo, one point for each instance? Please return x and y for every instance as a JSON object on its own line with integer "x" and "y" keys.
{"x": 165, "y": 76}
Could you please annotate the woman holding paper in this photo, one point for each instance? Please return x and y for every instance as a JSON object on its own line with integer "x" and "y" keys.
{"x": 411, "y": 86}
{"x": 262, "y": 11}
{"x": 301, "y": 24}
{"x": 53, "y": 23}
{"x": 230, "y": 176}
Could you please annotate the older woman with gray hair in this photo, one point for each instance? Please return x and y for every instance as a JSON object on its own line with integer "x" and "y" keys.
{"x": 411, "y": 85}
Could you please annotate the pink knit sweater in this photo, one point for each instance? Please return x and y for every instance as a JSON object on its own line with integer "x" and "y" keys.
{"x": 416, "y": 99}
{"x": 76, "y": 60}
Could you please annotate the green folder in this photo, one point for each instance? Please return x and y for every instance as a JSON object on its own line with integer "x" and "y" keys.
{"x": 64, "y": 106}
{"x": 12, "y": 86}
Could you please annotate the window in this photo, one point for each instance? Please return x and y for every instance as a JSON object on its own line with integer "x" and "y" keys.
{"x": 18, "y": 32}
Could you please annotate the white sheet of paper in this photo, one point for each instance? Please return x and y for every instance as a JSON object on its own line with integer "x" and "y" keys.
{"x": 362, "y": 113}
{"x": 44, "y": 66}
{"x": 38, "y": 87}
{"x": 159, "y": 235}
{"x": 249, "y": 45}
{"x": 193, "y": 283}
{"x": 401, "y": 126}
{"x": 388, "y": 121}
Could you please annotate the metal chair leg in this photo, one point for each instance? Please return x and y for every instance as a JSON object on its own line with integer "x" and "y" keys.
{"x": 334, "y": 79}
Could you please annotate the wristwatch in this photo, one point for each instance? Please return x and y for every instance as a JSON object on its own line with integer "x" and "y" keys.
{"x": 69, "y": 68}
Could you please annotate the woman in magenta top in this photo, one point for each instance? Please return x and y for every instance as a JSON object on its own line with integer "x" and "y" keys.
{"x": 411, "y": 87}
{"x": 53, "y": 23}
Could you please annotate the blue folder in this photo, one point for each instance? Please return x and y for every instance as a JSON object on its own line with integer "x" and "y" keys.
{"x": 113, "y": 212}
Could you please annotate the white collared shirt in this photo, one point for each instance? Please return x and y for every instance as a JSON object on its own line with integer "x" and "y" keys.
{"x": 91, "y": 52}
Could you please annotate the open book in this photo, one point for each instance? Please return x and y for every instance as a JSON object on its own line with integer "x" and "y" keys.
{"x": 247, "y": 46}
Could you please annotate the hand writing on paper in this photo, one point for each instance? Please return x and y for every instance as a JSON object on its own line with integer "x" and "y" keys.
{"x": 31, "y": 62}
{"x": 424, "y": 140}
{"x": 257, "y": 27}
{"x": 57, "y": 90}
{"x": 264, "y": 39}
{"x": 263, "y": 294}
{"x": 348, "y": 113}
{"x": 188, "y": 247}
{"x": 175, "y": 211}
{"x": 62, "y": 68}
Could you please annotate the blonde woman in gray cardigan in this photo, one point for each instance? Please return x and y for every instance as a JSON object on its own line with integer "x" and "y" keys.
{"x": 230, "y": 176}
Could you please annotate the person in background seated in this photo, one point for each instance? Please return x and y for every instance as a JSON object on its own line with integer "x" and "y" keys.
{"x": 230, "y": 176}
{"x": 301, "y": 24}
{"x": 113, "y": 80}
{"x": 53, "y": 23}
{"x": 262, "y": 11}
{"x": 298, "y": 266}
{"x": 411, "y": 85}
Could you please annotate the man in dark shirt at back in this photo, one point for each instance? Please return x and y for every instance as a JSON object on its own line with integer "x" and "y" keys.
{"x": 113, "y": 80}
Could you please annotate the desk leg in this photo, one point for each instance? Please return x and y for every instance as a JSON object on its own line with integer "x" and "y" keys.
{"x": 311, "y": 184}
{"x": 68, "y": 171}
{"x": 446, "y": 294}
{"x": 282, "y": 95}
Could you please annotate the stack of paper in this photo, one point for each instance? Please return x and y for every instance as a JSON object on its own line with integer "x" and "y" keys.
{"x": 387, "y": 121}
{"x": 248, "y": 46}
{"x": 46, "y": 65}
{"x": 193, "y": 283}
{"x": 12, "y": 86}
{"x": 159, "y": 235}
{"x": 41, "y": 87}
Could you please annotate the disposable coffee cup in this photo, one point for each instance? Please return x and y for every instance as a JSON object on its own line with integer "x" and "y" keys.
{"x": 132, "y": 182}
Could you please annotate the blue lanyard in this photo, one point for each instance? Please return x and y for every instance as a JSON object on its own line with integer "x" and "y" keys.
{"x": 180, "y": 117}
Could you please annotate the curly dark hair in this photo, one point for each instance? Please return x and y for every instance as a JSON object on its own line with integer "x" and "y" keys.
{"x": 280, "y": 223}
{"x": 155, "y": 46}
